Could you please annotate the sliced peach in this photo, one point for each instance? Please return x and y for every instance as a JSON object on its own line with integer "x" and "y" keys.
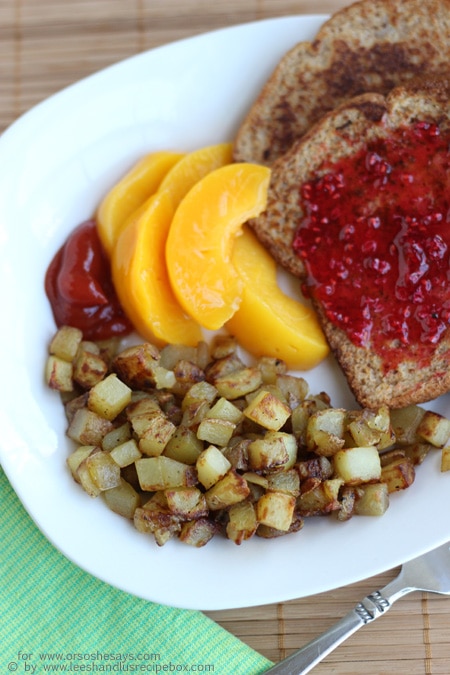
{"x": 138, "y": 260}
{"x": 201, "y": 239}
{"x": 269, "y": 322}
{"x": 192, "y": 167}
{"x": 140, "y": 277}
{"x": 130, "y": 193}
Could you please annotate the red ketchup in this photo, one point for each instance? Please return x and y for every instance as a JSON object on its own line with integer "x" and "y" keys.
{"x": 376, "y": 242}
{"x": 79, "y": 287}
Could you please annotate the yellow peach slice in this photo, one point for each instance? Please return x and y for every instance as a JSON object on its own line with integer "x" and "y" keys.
{"x": 269, "y": 322}
{"x": 138, "y": 260}
{"x": 201, "y": 239}
{"x": 140, "y": 277}
{"x": 130, "y": 193}
{"x": 192, "y": 168}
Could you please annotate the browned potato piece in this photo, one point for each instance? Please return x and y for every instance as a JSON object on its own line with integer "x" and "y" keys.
{"x": 184, "y": 446}
{"x": 229, "y": 490}
{"x": 445, "y": 459}
{"x": 358, "y": 465}
{"x": 65, "y": 343}
{"x": 211, "y": 466}
{"x": 268, "y": 411}
{"x": 398, "y": 475}
{"x": 323, "y": 497}
{"x": 372, "y": 500}
{"x": 122, "y": 499}
{"x": 238, "y": 383}
{"x": 276, "y": 450}
{"x": 58, "y": 374}
{"x": 88, "y": 428}
{"x": 276, "y": 509}
{"x": 136, "y": 365}
{"x": 197, "y": 532}
{"x": 188, "y": 503}
{"x": 434, "y": 429}
{"x": 242, "y": 523}
{"x": 89, "y": 367}
{"x": 160, "y": 473}
{"x": 109, "y": 397}
{"x": 325, "y": 431}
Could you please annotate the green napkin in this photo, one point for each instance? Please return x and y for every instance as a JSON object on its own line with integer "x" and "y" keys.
{"x": 56, "y": 617}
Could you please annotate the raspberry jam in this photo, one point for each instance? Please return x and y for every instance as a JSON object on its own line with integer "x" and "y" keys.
{"x": 375, "y": 241}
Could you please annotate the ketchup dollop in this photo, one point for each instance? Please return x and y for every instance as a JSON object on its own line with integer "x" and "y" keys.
{"x": 80, "y": 290}
{"x": 376, "y": 241}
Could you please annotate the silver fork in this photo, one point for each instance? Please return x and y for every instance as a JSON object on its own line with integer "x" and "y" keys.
{"x": 430, "y": 572}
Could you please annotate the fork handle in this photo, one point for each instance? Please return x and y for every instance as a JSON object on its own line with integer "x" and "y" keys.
{"x": 366, "y": 611}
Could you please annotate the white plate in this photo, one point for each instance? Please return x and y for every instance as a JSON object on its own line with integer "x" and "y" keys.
{"x": 57, "y": 161}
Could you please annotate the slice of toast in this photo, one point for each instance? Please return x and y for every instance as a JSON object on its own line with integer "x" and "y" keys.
{"x": 370, "y": 46}
{"x": 375, "y": 380}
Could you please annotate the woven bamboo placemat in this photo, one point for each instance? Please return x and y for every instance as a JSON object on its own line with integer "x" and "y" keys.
{"x": 46, "y": 45}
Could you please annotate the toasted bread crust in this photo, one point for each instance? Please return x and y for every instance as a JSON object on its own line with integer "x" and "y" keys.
{"x": 339, "y": 134}
{"x": 370, "y": 46}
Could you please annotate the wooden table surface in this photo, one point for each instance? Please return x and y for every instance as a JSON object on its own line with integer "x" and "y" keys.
{"x": 48, "y": 44}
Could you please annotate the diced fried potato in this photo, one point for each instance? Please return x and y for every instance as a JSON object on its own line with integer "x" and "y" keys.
{"x": 126, "y": 453}
{"x": 300, "y": 417}
{"x": 271, "y": 367}
{"x": 358, "y": 465}
{"x": 211, "y": 466}
{"x": 417, "y": 452}
{"x": 294, "y": 389}
{"x": 65, "y": 343}
{"x": 223, "y": 345}
{"x": 229, "y": 490}
{"x": 284, "y": 481}
{"x": 122, "y": 499}
{"x": 157, "y": 433}
{"x": 116, "y": 437}
{"x": 160, "y": 473}
{"x": 225, "y": 410}
{"x": 76, "y": 457}
{"x": 445, "y": 459}
{"x": 238, "y": 383}
{"x": 267, "y": 411}
{"x": 242, "y": 522}
{"x": 197, "y": 532}
{"x": 372, "y": 499}
{"x": 194, "y": 413}
{"x": 58, "y": 374}
{"x": 109, "y": 397}
{"x": 325, "y": 431}
{"x": 369, "y": 427}
{"x": 88, "y": 428}
{"x": 267, "y": 532}
{"x": 136, "y": 365}
{"x": 434, "y": 429}
{"x": 405, "y": 422}
{"x": 188, "y": 503}
{"x": 172, "y": 354}
{"x": 215, "y": 431}
{"x": 155, "y": 518}
{"x": 85, "y": 479}
{"x": 347, "y": 499}
{"x": 88, "y": 367}
{"x": 237, "y": 453}
{"x": 254, "y": 478}
{"x": 164, "y": 379}
{"x": 198, "y": 393}
{"x": 316, "y": 467}
{"x": 186, "y": 374}
{"x": 276, "y": 450}
{"x": 184, "y": 446}
{"x": 104, "y": 471}
{"x": 398, "y": 475}
{"x": 276, "y": 510}
{"x": 322, "y": 498}
{"x": 223, "y": 367}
